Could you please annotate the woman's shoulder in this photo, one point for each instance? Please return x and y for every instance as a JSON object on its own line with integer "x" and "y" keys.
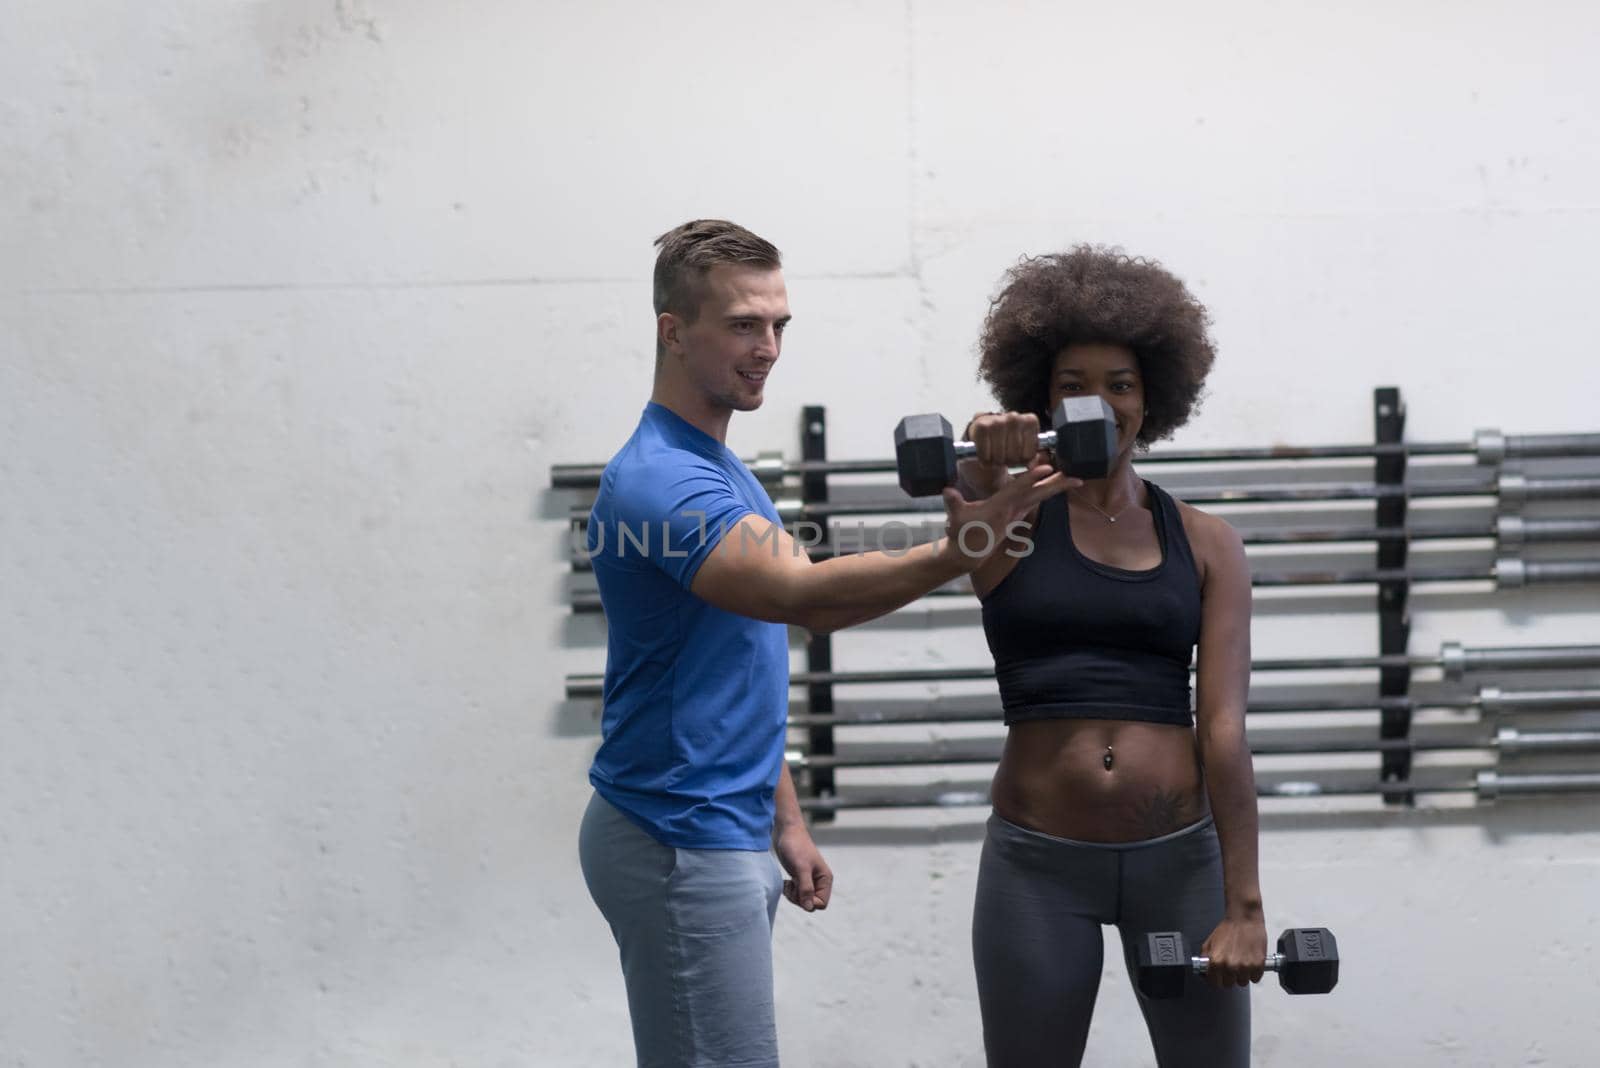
{"x": 1210, "y": 536}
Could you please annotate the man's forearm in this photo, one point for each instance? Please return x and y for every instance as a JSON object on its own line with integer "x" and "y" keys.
{"x": 1231, "y": 786}
{"x": 846, "y": 590}
{"x": 786, "y": 803}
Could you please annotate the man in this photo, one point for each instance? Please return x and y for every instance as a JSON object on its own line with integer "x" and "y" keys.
{"x": 698, "y": 579}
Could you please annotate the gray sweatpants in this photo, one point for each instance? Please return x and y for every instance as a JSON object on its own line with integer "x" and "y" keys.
{"x": 1038, "y": 949}
{"x": 694, "y": 929}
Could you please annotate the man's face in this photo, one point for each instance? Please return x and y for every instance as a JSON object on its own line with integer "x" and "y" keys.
{"x": 727, "y": 352}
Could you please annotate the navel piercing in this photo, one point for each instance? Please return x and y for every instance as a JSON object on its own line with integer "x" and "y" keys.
{"x": 1106, "y": 760}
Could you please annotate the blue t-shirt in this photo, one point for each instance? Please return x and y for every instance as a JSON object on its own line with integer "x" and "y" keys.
{"x": 695, "y": 698}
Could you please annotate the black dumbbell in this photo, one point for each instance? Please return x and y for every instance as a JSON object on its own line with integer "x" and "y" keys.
{"x": 1307, "y": 962}
{"x": 1083, "y": 440}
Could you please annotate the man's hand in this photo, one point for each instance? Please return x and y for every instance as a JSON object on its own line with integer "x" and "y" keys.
{"x": 810, "y": 882}
{"x": 975, "y": 529}
{"x": 1236, "y": 951}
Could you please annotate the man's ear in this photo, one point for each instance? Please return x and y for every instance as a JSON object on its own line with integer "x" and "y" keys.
{"x": 668, "y": 328}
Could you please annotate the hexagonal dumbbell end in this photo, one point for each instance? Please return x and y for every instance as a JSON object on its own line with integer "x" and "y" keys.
{"x": 1086, "y": 436}
{"x": 925, "y": 454}
{"x": 1310, "y": 960}
{"x": 1163, "y": 964}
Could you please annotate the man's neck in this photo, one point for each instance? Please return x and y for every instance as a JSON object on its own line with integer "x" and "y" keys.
{"x": 693, "y": 410}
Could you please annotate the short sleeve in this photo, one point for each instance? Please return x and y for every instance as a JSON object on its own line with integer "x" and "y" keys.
{"x": 674, "y": 516}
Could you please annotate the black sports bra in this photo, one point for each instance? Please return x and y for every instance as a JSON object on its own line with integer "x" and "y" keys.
{"x": 1073, "y": 637}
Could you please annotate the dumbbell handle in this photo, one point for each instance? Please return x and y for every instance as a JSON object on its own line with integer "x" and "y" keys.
{"x": 1199, "y": 964}
{"x": 966, "y": 450}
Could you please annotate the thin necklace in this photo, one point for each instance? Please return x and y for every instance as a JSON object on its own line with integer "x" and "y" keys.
{"x": 1109, "y": 517}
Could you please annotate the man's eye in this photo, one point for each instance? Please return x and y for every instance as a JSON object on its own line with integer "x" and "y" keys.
{"x": 781, "y": 327}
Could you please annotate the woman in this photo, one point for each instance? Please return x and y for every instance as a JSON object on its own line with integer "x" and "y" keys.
{"x": 1112, "y": 803}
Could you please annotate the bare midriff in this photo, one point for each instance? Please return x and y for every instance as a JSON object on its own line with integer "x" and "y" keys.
{"x": 1100, "y": 780}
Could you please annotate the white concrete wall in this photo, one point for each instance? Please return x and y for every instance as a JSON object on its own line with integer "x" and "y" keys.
{"x": 300, "y": 300}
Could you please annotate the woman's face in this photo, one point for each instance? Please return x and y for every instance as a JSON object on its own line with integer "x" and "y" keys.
{"x": 1102, "y": 370}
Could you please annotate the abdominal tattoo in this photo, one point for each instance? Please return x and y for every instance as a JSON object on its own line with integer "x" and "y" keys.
{"x": 1163, "y": 812}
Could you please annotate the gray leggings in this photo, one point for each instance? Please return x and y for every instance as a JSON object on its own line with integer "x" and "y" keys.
{"x": 1038, "y": 949}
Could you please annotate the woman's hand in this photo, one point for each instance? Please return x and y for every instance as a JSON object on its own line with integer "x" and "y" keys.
{"x": 1008, "y": 439}
{"x": 1236, "y": 951}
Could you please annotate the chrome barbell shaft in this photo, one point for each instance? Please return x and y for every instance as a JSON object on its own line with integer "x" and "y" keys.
{"x": 1456, "y": 660}
{"x": 1507, "y": 742}
{"x": 1508, "y": 530}
{"x": 1487, "y": 786}
{"x": 1487, "y": 447}
{"x": 1491, "y": 702}
{"x": 1512, "y": 491}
